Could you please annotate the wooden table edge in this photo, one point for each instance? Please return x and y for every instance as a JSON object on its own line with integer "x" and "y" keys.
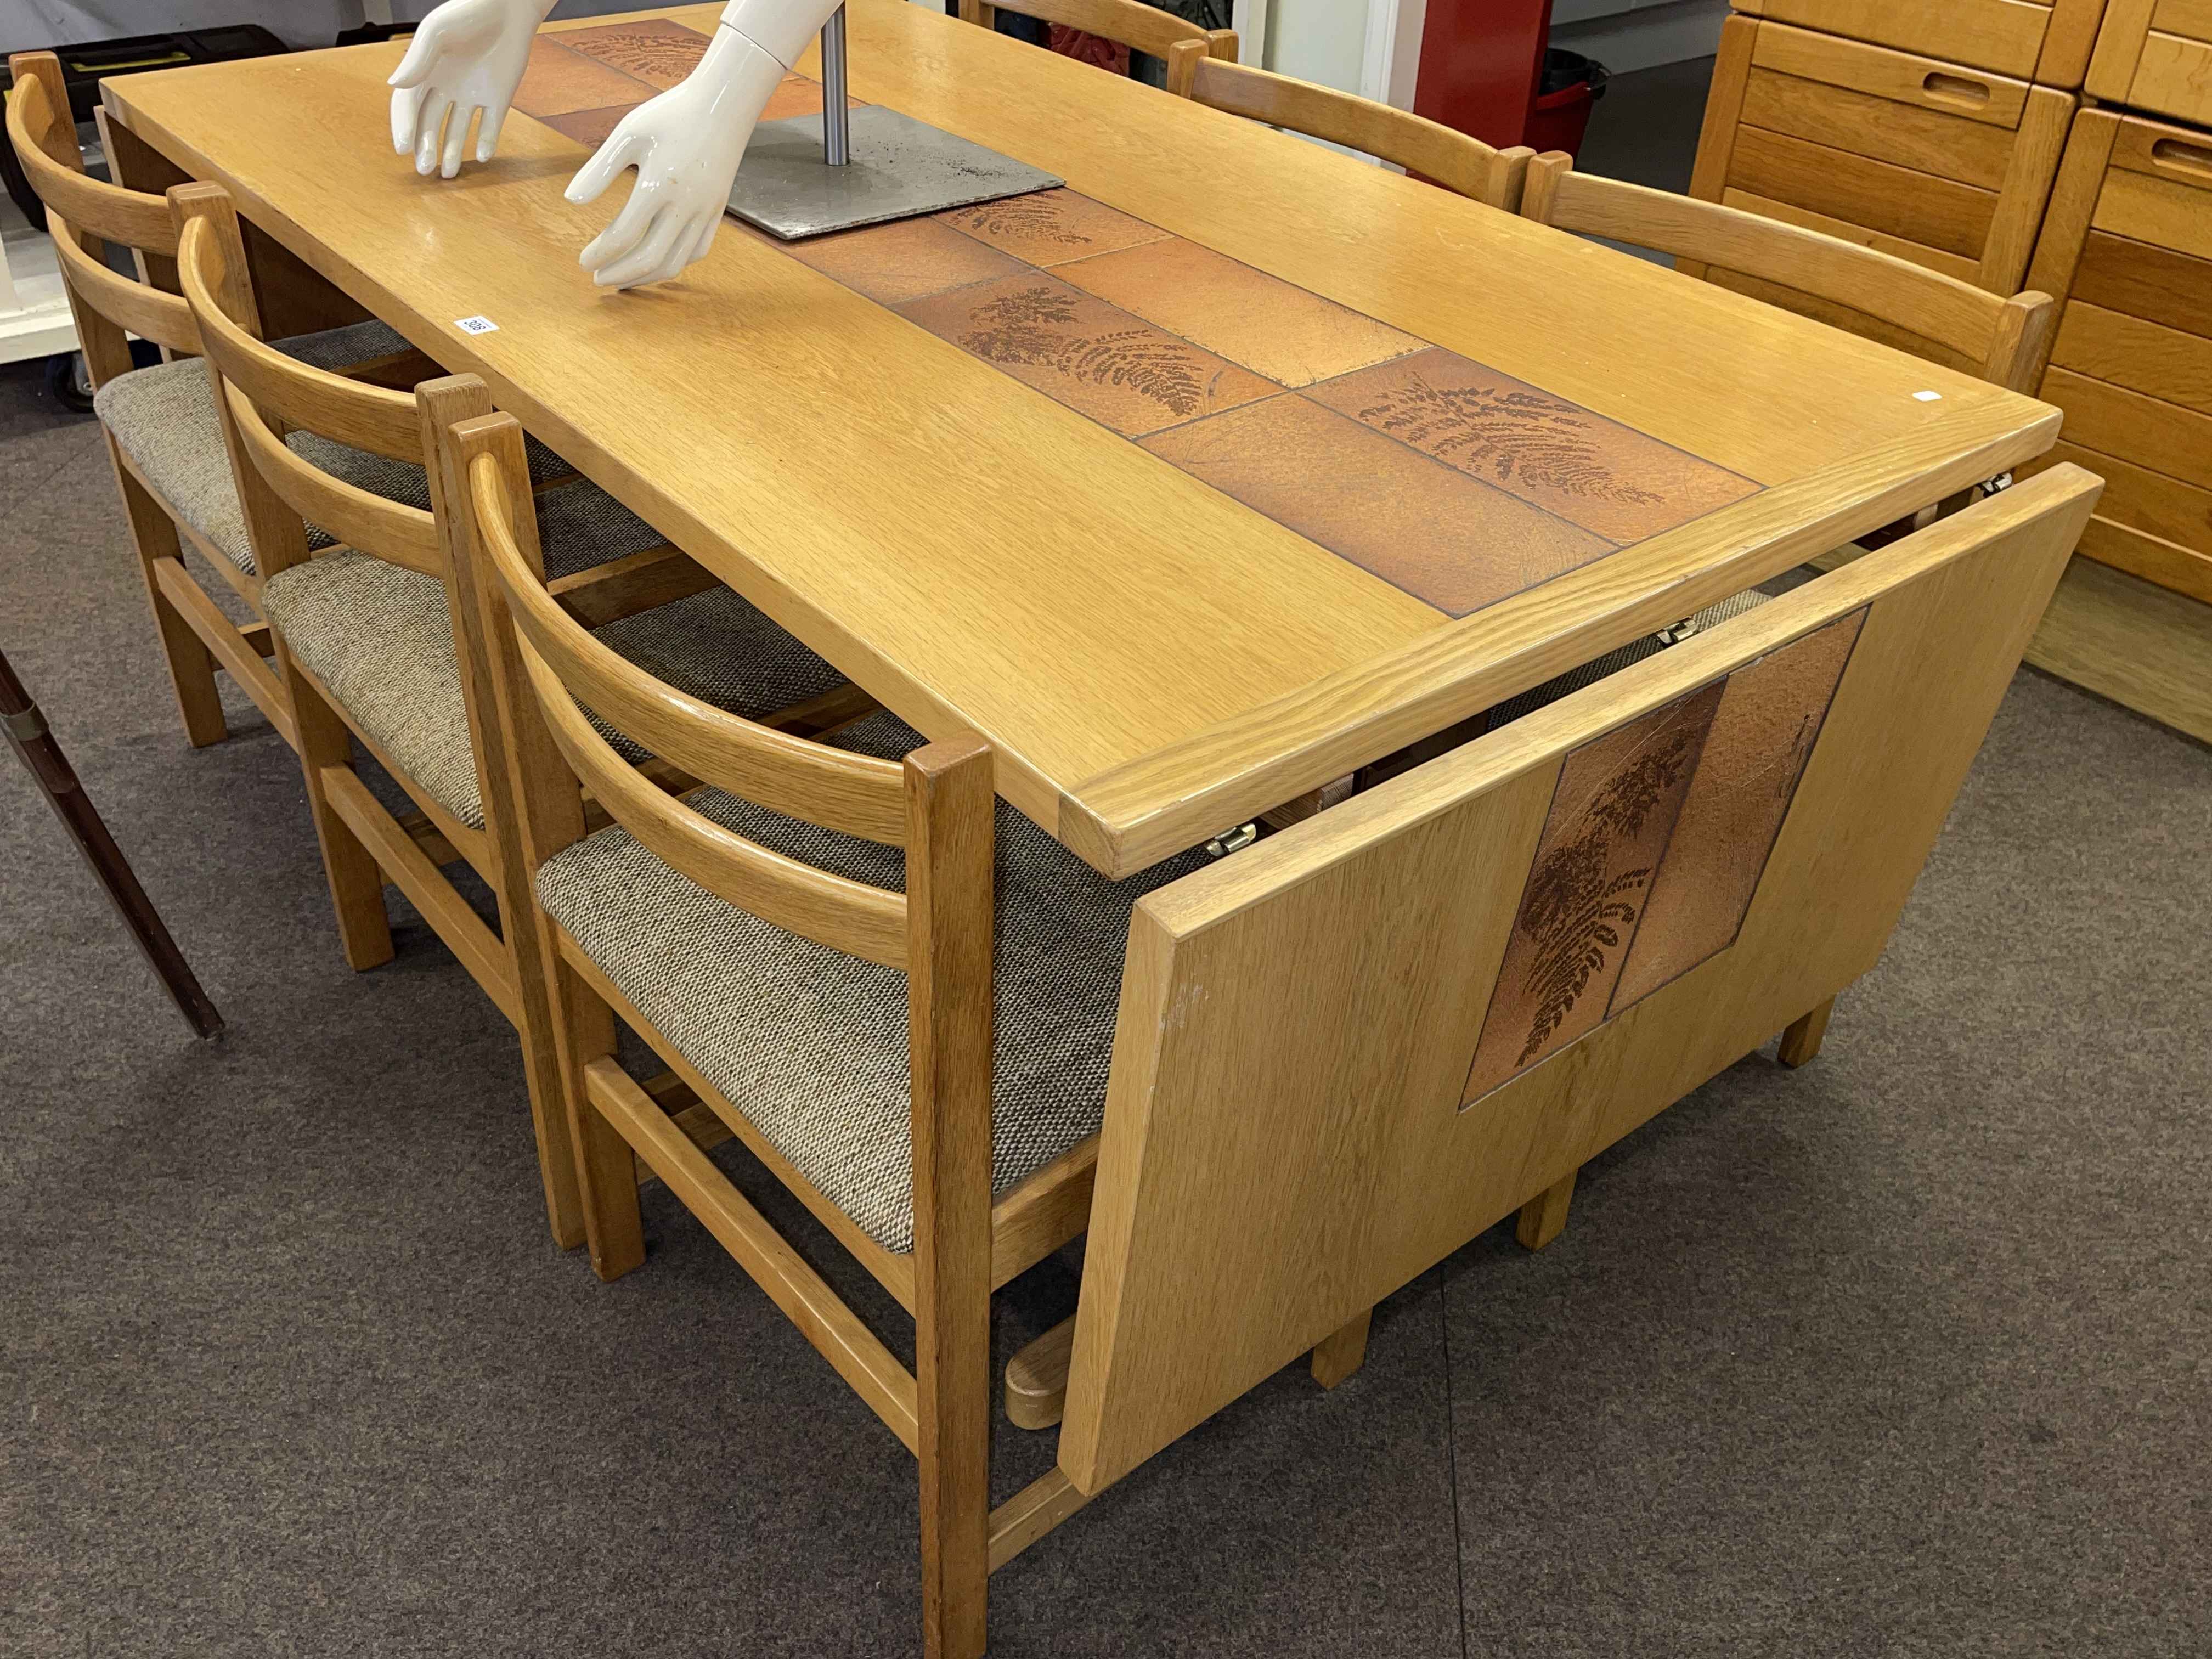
{"x": 1130, "y": 816}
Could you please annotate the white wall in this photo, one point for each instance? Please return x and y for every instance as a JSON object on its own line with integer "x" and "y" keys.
{"x": 1323, "y": 40}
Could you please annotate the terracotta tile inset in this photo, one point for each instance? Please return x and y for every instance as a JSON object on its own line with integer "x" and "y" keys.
{"x": 1762, "y": 736}
{"x": 797, "y": 95}
{"x": 1611, "y": 817}
{"x": 1098, "y": 361}
{"x": 558, "y": 82}
{"x": 589, "y": 127}
{"x": 1267, "y": 325}
{"x": 654, "y": 50}
{"x": 1439, "y": 535}
{"x": 902, "y": 261}
{"x": 1592, "y": 471}
{"x": 1051, "y": 226}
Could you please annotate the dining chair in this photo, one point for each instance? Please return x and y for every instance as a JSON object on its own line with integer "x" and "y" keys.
{"x": 1455, "y": 160}
{"x": 159, "y": 422}
{"x": 373, "y": 646}
{"x": 2005, "y": 340}
{"x": 1125, "y": 23}
{"x": 896, "y": 992}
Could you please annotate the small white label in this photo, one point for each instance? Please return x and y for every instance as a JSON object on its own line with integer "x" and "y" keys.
{"x": 1917, "y": 396}
{"x": 485, "y": 325}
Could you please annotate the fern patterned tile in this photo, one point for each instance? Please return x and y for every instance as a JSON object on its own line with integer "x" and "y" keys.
{"x": 902, "y": 261}
{"x": 1267, "y": 325}
{"x": 558, "y": 82}
{"x": 1591, "y": 471}
{"x": 652, "y": 49}
{"x": 1051, "y": 226}
{"x": 1762, "y": 735}
{"x": 1095, "y": 358}
{"x": 1612, "y": 813}
{"x": 1424, "y": 527}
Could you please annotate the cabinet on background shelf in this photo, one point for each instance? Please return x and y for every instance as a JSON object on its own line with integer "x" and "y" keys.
{"x": 2129, "y": 244}
{"x": 2045, "y": 42}
{"x": 2156, "y": 55}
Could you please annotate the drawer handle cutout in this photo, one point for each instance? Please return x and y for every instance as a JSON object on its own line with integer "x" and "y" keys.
{"x": 2183, "y": 157}
{"x": 1955, "y": 89}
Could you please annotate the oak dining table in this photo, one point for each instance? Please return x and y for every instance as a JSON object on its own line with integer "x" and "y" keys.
{"x": 1234, "y": 465}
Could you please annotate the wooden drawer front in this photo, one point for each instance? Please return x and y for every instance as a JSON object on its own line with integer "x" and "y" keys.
{"x": 1933, "y": 160}
{"x": 2034, "y": 39}
{"x": 2157, "y": 55}
{"x": 2127, "y": 247}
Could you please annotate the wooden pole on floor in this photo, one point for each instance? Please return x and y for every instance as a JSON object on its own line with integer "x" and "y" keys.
{"x": 28, "y": 737}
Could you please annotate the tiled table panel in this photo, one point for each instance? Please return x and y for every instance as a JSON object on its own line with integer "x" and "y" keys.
{"x": 1457, "y": 484}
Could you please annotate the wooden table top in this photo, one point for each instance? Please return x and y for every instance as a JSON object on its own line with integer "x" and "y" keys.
{"x": 1298, "y": 461}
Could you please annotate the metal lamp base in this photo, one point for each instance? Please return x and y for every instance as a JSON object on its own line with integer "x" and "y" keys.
{"x": 901, "y": 169}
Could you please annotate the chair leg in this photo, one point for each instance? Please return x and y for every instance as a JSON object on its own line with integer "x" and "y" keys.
{"x": 356, "y": 880}
{"x": 605, "y": 1169}
{"x": 539, "y": 1029}
{"x": 1343, "y": 1351}
{"x": 192, "y": 665}
{"x": 1544, "y": 1215}
{"x": 1802, "y": 1040}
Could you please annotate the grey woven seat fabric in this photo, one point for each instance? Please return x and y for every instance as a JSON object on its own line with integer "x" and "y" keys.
{"x": 165, "y": 418}
{"x": 810, "y": 1044}
{"x": 1627, "y": 656}
{"x": 380, "y": 640}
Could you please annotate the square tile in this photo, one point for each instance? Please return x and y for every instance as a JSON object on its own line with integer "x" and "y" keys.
{"x": 1591, "y": 471}
{"x": 1271, "y": 327}
{"x": 902, "y": 261}
{"x": 558, "y": 82}
{"x": 1051, "y": 226}
{"x": 652, "y": 49}
{"x": 795, "y": 94}
{"x": 1096, "y": 359}
{"x": 1419, "y": 525}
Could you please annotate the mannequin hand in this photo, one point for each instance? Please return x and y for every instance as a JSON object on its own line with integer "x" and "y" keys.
{"x": 686, "y": 145}
{"x": 467, "y": 56}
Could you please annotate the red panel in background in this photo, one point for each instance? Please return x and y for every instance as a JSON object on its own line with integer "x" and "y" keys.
{"x": 1482, "y": 61}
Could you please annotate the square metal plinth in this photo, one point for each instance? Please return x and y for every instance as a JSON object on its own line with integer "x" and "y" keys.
{"x": 901, "y": 169}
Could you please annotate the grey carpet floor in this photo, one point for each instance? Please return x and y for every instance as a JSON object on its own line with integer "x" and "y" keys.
{"x": 1904, "y": 1353}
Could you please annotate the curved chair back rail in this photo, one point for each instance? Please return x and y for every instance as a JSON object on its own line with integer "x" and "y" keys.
{"x": 1125, "y": 23}
{"x": 258, "y": 384}
{"x": 2010, "y": 337}
{"x": 859, "y": 794}
{"x": 210, "y": 269}
{"x": 80, "y": 207}
{"x": 1455, "y": 160}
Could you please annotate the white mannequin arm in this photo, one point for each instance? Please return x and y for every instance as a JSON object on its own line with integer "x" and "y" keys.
{"x": 686, "y": 143}
{"x": 467, "y": 56}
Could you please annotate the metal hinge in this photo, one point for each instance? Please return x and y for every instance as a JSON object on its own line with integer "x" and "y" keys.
{"x": 1233, "y": 840}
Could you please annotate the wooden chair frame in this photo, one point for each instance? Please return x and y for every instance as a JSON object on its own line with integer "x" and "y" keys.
{"x": 939, "y": 803}
{"x": 2010, "y": 338}
{"x": 1427, "y": 149}
{"x": 1125, "y": 23}
{"x": 83, "y": 214}
{"x": 262, "y": 395}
